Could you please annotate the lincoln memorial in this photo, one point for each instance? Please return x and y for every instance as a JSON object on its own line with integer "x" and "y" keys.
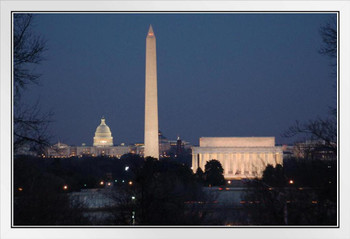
{"x": 240, "y": 157}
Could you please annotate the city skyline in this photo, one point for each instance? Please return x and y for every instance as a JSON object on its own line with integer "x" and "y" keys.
{"x": 209, "y": 68}
{"x": 229, "y": 84}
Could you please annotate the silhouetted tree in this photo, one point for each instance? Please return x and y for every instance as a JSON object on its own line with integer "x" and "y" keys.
{"x": 162, "y": 189}
{"x": 200, "y": 175}
{"x": 274, "y": 175}
{"x": 329, "y": 37}
{"x": 309, "y": 199}
{"x": 30, "y": 124}
{"x": 329, "y": 34}
{"x": 39, "y": 196}
{"x": 322, "y": 131}
{"x": 214, "y": 173}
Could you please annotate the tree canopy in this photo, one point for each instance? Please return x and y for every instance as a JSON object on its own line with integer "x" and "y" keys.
{"x": 214, "y": 173}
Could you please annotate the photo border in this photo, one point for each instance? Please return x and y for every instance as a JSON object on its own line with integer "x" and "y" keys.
{"x": 182, "y": 226}
{"x": 343, "y": 231}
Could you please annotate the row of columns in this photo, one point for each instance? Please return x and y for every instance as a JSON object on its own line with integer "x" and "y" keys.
{"x": 238, "y": 164}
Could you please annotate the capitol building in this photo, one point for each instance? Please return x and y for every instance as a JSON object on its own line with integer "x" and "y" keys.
{"x": 102, "y": 146}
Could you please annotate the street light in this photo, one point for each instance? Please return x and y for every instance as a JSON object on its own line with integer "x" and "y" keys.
{"x": 102, "y": 183}
{"x": 130, "y": 183}
{"x": 65, "y": 187}
{"x": 126, "y": 168}
{"x": 133, "y": 218}
{"x": 133, "y": 198}
{"x": 291, "y": 181}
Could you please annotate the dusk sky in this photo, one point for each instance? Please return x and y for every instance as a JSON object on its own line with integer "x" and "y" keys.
{"x": 219, "y": 75}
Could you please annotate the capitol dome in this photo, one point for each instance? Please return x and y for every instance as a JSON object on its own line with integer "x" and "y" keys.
{"x": 103, "y": 135}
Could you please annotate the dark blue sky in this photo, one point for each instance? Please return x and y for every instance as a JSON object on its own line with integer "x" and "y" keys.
{"x": 218, "y": 74}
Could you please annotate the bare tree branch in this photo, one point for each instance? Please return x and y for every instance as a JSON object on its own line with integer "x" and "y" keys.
{"x": 329, "y": 38}
{"x": 30, "y": 124}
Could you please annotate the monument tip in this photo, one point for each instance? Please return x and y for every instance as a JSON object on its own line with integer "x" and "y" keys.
{"x": 150, "y": 30}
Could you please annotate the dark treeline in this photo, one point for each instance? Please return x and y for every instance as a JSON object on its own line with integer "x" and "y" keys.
{"x": 76, "y": 172}
{"x": 161, "y": 188}
{"x": 40, "y": 196}
{"x": 302, "y": 192}
{"x": 166, "y": 192}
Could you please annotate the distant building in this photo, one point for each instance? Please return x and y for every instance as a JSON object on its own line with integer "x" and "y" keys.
{"x": 102, "y": 146}
{"x": 167, "y": 148}
{"x": 103, "y": 135}
{"x": 164, "y": 144}
{"x": 25, "y": 149}
{"x": 240, "y": 157}
{"x": 314, "y": 149}
{"x": 287, "y": 151}
{"x": 179, "y": 147}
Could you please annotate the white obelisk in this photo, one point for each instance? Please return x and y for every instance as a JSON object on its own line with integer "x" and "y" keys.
{"x": 151, "y": 98}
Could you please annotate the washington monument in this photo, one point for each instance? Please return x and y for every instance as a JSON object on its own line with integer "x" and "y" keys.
{"x": 151, "y": 98}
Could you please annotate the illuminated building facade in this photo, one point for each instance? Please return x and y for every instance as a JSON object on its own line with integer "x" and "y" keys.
{"x": 102, "y": 146}
{"x": 103, "y": 135}
{"x": 240, "y": 157}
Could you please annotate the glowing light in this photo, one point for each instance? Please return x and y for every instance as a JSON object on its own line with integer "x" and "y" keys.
{"x": 314, "y": 202}
{"x": 291, "y": 181}
{"x": 130, "y": 182}
{"x": 109, "y": 184}
{"x": 133, "y": 198}
{"x": 102, "y": 183}
{"x": 20, "y": 189}
{"x": 65, "y": 187}
{"x": 115, "y": 180}
{"x": 229, "y": 182}
{"x": 126, "y": 168}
